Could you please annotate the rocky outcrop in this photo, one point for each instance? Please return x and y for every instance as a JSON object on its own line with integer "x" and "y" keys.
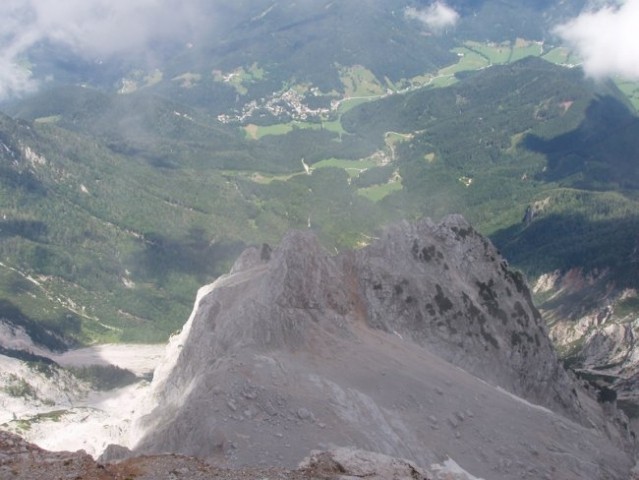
{"x": 346, "y": 463}
{"x": 20, "y": 460}
{"x": 446, "y": 287}
{"x": 349, "y": 464}
{"x": 594, "y": 326}
{"x": 421, "y": 346}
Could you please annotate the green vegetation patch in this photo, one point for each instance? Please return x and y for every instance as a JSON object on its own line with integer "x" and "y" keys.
{"x": 626, "y": 307}
{"x": 561, "y": 56}
{"x": 523, "y": 48}
{"x": 241, "y": 78}
{"x": 631, "y": 90}
{"x": 256, "y": 132}
{"x": 347, "y": 104}
{"x": 495, "y": 53}
{"x": 376, "y": 193}
{"x": 360, "y": 82}
{"x": 18, "y": 387}
{"x": 443, "y": 81}
{"x": 25, "y": 424}
{"x": 352, "y": 167}
{"x": 468, "y": 60}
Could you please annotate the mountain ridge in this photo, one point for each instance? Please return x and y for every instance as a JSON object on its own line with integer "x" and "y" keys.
{"x": 296, "y": 348}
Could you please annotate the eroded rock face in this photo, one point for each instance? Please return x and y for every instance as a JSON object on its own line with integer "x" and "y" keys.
{"x": 346, "y": 463}
{"x": 595, "y": 328}
{"x": 412, "y": 347}
{"x": 446, "y": 287}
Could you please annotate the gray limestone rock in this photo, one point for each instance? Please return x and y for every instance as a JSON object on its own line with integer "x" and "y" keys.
{"x": 348, "y": 463}
{"x": 365, "y": 348}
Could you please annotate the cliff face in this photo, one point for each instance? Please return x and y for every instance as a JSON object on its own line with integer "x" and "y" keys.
{"x": 414, "y": 347}
{"x": 594, "y": 326}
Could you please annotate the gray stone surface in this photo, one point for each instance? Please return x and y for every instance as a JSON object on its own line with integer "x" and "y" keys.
{"x": 414, "y": 347}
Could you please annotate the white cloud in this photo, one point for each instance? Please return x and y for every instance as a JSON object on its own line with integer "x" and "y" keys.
{"x": 607, "y": 39}
{"x": 437, "y": 17}
{"x": 92, "y": 29}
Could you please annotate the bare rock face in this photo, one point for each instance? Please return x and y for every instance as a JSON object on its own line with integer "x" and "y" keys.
{"x": 348, "y": 463}
{"x": 21, "y": 460}
{"x": 446, "y": 287}
{"x": 422, "y": 346}
{"x": 594, "y": 326}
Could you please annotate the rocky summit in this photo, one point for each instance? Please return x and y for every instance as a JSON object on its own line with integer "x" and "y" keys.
{"x": 423, "y": 345}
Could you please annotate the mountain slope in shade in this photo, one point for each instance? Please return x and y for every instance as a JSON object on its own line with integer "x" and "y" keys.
{"x": 423, "y": 346}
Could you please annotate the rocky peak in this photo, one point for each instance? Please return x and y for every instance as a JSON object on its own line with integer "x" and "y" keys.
{"x": 447, "y": 287}
{"x": 401, "y": 348}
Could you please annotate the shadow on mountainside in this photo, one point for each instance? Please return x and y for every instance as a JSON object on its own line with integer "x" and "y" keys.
{"x": 561, "y": 241}
{"x": 194, "y": 254}
{"x": 601, "y": 153}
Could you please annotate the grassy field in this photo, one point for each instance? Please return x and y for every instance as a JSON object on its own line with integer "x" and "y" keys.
{"x": 493, "y": 52}
{"x": 255, "y": 132}
{"x": 468, "y": 60}
{"x": 522, "y": 49}
{"x": 265, "y": 179}
{"x": 352, "y": 167}
{"x": 392, "y": 138}
{"x": 378, "y": 192}
{"x": 360, "y": 82}
{"x": 561, "y": 56}
{"x": 631, "y": 89}
{"x": 442, "y": 82}
{"x": 349, "y": 103}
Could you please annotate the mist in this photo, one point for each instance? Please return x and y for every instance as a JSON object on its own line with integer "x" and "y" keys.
{"x": 94, "y": 30}
{"x": 436, "y": 17}
{"x": 606, "y": 38}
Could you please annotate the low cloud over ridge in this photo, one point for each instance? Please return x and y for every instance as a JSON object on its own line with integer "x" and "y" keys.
{"x": 437, "y": 17}
{"x": 607, "y": 39}
{"x": 92, "y": 29}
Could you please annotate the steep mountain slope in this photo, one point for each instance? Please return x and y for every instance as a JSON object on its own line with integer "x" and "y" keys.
{"x": 72, "y": 241}
{"x": 94, "y": 211}
{"x": 409, "y": 347}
